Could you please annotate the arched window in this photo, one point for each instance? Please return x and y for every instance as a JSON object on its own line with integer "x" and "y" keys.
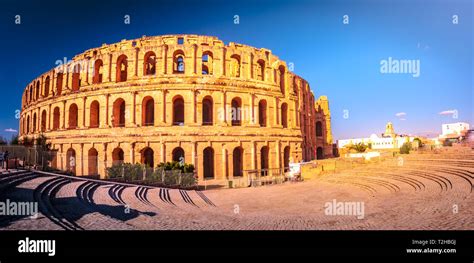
{"x": 98, "y": 66}
{"x": 71, "y": 160}
{"x": 118, "y": 118}
{"x": 59, "y": 83}
{"x": 208, "y": 162}
{"x": 264, "y": 160}
{"x": 286, "y": 158}
{"x": 237, "y": 161}
{"x": 34, "y": 122}
{"x": 281, "y": 71}
{"x": 319, "y": 129}
{"x": 149, "y": 63}
{"x": 284, "y": 115}
{"x": 73, "y": 115}
{"x": 178, "y": 154}
{"x": 261, "y": 69}
{"x": 262, "y": 113}
{"x": 235, "y": 66}
{"x": 207, "y": 111}
{"x": 93, "y": 161}
{"x": 121, "y": 72}
{"x": 37, "y": 91}
{"x": 56, "y": 115}
{"x": 94, "y": 114}
{"x": 147, "y": 157}
{"x": 236, "y": 112}
{"x": 43, "y": 121}
{"x": 46, "y": 86}
{"x": 148, "y": 111}
{"x": 207, "y": 63}
{"x": 117, "y": 156}
{"x": 76, "y": 77}
{"x": 178, "y": 111}
{"x": 178, "y": 62}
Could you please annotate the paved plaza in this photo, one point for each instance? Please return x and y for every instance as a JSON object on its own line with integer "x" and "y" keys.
{"x": 425, "y": 191}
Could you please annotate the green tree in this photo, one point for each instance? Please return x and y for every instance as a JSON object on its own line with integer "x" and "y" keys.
{"x": 406, "y": 148}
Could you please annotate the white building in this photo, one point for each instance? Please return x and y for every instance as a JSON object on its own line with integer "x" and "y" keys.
{"x": 454, "y": 129}
{"x": 389, "y": 140}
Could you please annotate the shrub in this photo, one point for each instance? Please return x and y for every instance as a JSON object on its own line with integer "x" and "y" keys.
{"x": 405, "y": 149}
{"x": 358, "y": 147}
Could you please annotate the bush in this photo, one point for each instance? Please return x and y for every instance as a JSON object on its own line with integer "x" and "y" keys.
{"x": 358, "y": 147}
{"x": 406, "y": 148}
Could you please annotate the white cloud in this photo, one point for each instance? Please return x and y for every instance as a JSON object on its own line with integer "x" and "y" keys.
{"x": 10, "y": 130}
{"x": 447, "y": 112}
{"x": 400, "y": 114}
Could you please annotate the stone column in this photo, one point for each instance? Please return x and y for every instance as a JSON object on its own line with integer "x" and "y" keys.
{"x": 224, "y": 109}
{"x": 224, "y": 162}
{"x": 64, "y": 115}
{"x": 83, "y": 112}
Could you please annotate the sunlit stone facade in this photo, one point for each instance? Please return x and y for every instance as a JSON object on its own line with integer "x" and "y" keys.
{"x": 224, "y": 108}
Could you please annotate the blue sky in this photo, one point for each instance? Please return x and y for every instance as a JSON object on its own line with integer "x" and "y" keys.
{"x": 339, "y": 60}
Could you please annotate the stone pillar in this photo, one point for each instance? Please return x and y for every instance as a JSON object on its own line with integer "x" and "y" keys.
{"x": 132, "y": 152}
{"x": 64, "y": 115}
{"x": 49, "y": 118}
{"x": 107, "y": 124}
{"x": 109, "y": 77}
{"x": 254, "y": 155}
{"x": 224, "y": 109}
{"x": 224, "y": 162}
{"x": 134, "y": 105}
{"x": 83, "y": 112}
{"x": 163, "y": 151}
{"x": 163, "y": 115}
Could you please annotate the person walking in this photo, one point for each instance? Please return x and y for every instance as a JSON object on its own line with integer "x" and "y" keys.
{"x": 5, "y": 158}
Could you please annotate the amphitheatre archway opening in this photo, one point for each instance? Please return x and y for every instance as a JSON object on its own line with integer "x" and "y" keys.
{"x": 237, "y": 161}
{"x": 207, "y": 111}
{"x": 148, "y": 111}
{"x": 71, "y": 160}
{"x": 178, "y": 111}
{"x": 178, "y": 154}
{"x": 147, "y": 157}
{"x": 93, "y": 161}
{"x": 118, "y": 119}
{"x": 208, "y": 163}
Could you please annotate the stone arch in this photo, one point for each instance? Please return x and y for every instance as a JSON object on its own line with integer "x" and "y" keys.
{"x": 31, "y": 94}
{"x": 28, "y": 124}
{"x": 284, "y": 115}
{"x": 235, "y": 66}
{"x": 94, "y": 117}
{"x": 98, "y": 67}
{"x": 286, "y": 158}
{"x": 178, "y": 62}
{"x": 37, "y": 90}
{"x": 93, "y": 161}
{"x": 148, "y": 111}
{"x": 207, "y": 111}
{"x": 319, "y": 129}
{"x": 281, "y": 75}
{"x": 262, "y": 113}
{"x": 117, "y": 156}
{"x": 76, "y": 77}
{"x": 319, "y": 153}
{"x": 147, "y": 156}
{"x": 236, "y": 108}
{"x": 149, "y": 63}
{"x": 34, "y": 122}
{"x": 237, "y": 161}
{"x": 178, "y": 110}
{"x": 118, "y": 118}
{"x": 177, "y": 154}
{"x": 208, "y": 162}
{"x": 46, "y": 86}
{"x": 73, "y": 116}
{"x": 56, "y": 116}
{"x": 59, "y": 83}
{"x": 121, "y": 68}
{"x": 207, "y": 63}
{"x": 43, "y": 121}
{"x": 261, "y": 70}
